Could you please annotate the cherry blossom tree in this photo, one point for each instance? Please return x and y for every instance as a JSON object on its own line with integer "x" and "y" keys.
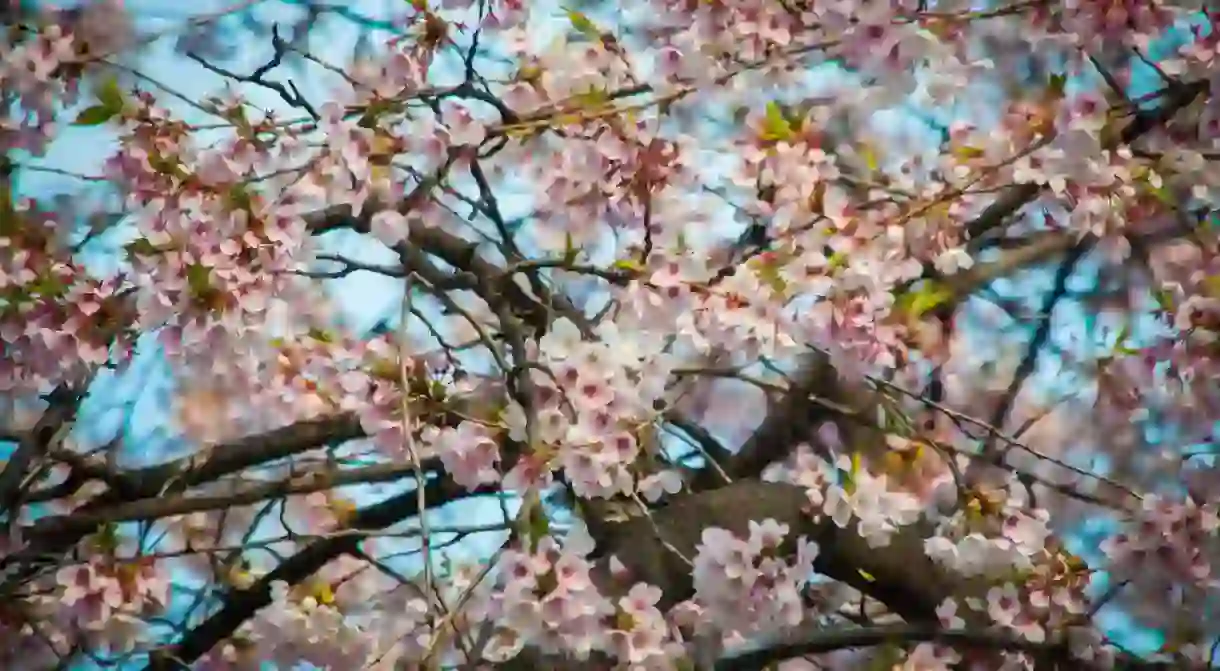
{"x": 749, "y": 380}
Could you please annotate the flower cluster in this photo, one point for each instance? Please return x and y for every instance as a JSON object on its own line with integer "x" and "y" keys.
{"x": 306, "y": 627}
{"x": 594, "y": 409}
{"x": 106, "y": 600}
{"x": 547, "y": 599}
{"x": 56, "y": 322}
{"x": 846, "y": 493}
{"x": 747, "y": 585}
{"x": 994, "y": 533}
{"x": 1165, "y": 542}
{"x": 32, "y": 69}
{"x": 643, "y": 146}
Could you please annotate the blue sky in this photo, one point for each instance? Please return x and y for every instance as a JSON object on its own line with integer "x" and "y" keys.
{"x": 134, "y": 404}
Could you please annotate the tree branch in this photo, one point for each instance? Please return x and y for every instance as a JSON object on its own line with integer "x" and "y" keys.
{"x": 794, "y": 416}
{"x": 831, "y": 640}
{"x": 1041, "y": 334}
{"x": 241, "y": 604}
{"x": 177, "y": 476}
{"x": 63, "y": 403}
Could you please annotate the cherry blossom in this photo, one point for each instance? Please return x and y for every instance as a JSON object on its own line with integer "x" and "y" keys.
{"x": 736, "y": 367}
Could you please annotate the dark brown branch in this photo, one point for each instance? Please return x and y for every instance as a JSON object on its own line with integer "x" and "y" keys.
{"x": 180, "y": 475}
{"x": 1041, "y": 334}
{"x": 1052, "y": 655}
{"x": 844, "y": 556}
{"x": 162, "y": 507}
{"x": 899, "y": 575}
{"x": 293, "y": 97}
{"x": 63, "y": 403}
{"x": 793, "y": 418}
{"x": 1177, "y": 98}
{"x": 241, "y": 604}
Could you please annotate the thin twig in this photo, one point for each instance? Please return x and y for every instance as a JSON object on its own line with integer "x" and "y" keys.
{"x": 407, "y": 431}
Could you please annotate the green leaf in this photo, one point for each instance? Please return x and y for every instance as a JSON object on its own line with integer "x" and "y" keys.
{"x": 869, "y": 156}
{"x": 533, "y": 523}
{"x": 46, "y": 285}
{"x": 238, "y": 197}
{"x": 1162, "y": 194}
{"x": 1120, "y": 343}
{"x": 769, "y": 275}
{"x": 592, "y": 99}
{"x": 376, "y": 111}
{"x": 539, "y": 524}
{"x": 198, "y": 279}
{"x": 94, "y": 116}
{"x": 107, "y": 538}
{"x": 775, "y": 124}
{"x": 437, "y": 390}
{"x": 583, "y": 25}
{"x": 849, "y": 476}
{"x": 110, "y": 95}
{"x": 140, "y": 247}
{"x": 1057, "y": 84}
{"x": 384, "y": 369}
{"x": 570, "y": 251}
{"x": 1211, "y": 286}
{"x": 928, "y": 297}
{"x": 1164, "y": 298}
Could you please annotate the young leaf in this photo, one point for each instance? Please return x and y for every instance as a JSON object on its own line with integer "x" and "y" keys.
{"x": 1056, "y": 85}
{"x": 1211, "y": 286}
{"x": 110, "y": 95}
{"x": 870, "y": 157}
{"x": 775, "y": 124}
{"x": 1164, "y": 298}
{"x": 94, "y": 116}
{"x": 198, "y": 278}
{"x": 583, "y": 25}
{"x": 928, "y": 297}
{"x": 570, "y": 250}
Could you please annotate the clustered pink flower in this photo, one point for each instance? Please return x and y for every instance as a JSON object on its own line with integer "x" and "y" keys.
{"x": 745, "y": 585}
{"x": 616, "y": 135}
{"x": 1165, "y": 541}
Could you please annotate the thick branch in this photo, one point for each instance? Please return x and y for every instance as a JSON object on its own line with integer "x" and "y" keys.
{"x": 61, "y": 410}
{"x": 178, "y": 476}
{"x": 161, "y": 507}
{"x": 830, "y": 640}
{"x": 900, "y": 575}
{"x": 844, "y": 556}
{"x": 793, "y": 418}
{"x": 1018, "y": 196}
